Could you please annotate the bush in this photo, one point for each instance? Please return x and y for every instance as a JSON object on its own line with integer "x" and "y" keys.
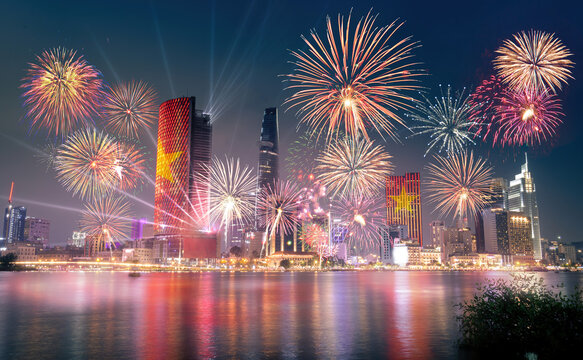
{"x": 7, "y": 262}
{"x": 285, "y": 263}
{"x": 522, "y": 316}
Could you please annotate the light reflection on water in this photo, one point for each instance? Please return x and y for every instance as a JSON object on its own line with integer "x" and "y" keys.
{"x": 236, "y": 315}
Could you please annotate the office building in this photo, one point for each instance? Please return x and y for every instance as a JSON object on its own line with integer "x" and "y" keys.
{"x": 522, "y": 198}
{"x": 403, "y": 198}
{"x": 436, "y": 229}
{"x": 14, "y": 224}
{"x": 37, "y": 230}
{"x": 182, "y": 171}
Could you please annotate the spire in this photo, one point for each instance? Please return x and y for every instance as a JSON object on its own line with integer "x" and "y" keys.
{"x": 10, "y": 197}
{"x": 525, "y": 161}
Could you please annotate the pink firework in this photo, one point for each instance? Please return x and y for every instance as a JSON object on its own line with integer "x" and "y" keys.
{"x": 485, "y": 99}
{"x": 526, "y": 117}
{"x": 62, "y": 91}
{"x": 129, "y": 165}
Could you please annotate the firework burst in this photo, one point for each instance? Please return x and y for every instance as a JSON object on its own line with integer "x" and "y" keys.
{"x": 106, "y": 217}
{"x": 85, "y": 163}
{"x": 362, "y": 215}
{"x": 129, "y": 165}
{"x": 278, "y": 207}
{"x": 130, "y": 108}
{"x": 232, "y": 188}
{"x": 534, "y": 61}
{"x": 62, "y": 91}
{"x": 459, "y": 184}
{"x": 448, "y": 122}
{"x": 527, "y": 118}
{"x": 301, "y": 159}
{"x": 47, "y": 156}
{"x": 353, "y": 166}
{"x": 486, "y": 99}
{"x": 354, "y": 81}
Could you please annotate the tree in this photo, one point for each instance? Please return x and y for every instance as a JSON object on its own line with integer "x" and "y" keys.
{"x": 285, "y": 263}
{"x": 7, "y": 262}
{"x": 236, "y": 251}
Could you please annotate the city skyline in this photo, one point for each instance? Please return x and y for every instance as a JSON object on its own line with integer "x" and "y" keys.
{"x": 407, "y": 157}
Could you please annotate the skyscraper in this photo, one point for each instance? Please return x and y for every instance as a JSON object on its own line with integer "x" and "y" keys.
{"x": 404, "y": 203}
{"x": 14, "y": 223}
{"x": 522, "y": 198}
{"x": 268, "y": 150}
{"x": 183, "y": 159}
{"x": 37, "y": 230}
{"x": 506, "y": 232}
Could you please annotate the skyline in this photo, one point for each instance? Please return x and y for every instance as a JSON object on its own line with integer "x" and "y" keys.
{"x": 230, "y": 129}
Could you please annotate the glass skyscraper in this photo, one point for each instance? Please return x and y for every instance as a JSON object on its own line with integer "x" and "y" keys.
{"x": 522, "y": 198}
{"x": 268, "y": 151}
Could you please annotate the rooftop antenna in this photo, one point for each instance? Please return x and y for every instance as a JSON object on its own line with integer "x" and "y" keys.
{"x": 11, "y": 190}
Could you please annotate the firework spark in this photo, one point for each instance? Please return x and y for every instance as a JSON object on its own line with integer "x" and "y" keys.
{"x": 107, "y": 217}
{"x": 353, "y": 166}
{"x": 448, "y": 122}
{"x": 459, "y": 184}
{"x": 358, "y": 79}
{"x": 301, "y": 159}
{"x": 527, "y": 118}
{"x": 130, "y": 108}
{"x": 48, "y": 156}
{"x": 362, "y": 215}
{"x": 85, "y": 163}
{"x": 486, "y": 99}
{"x": 62, "y": 91}
{"x": 232, "y": 188}
{"x": 278, "y": 207}
{"x": 534, "y": 61}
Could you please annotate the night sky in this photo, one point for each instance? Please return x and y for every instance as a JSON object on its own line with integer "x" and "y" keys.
{"x": 229, "y": 55}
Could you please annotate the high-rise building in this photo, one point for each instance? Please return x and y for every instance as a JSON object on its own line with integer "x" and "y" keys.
{"x": 437, "y": 228}
{"x": 522, "y": 198}
{"x": 37, "y": 230}
{"x": 77, "y": 239}
{"x": 506, "y": 232}
{"x": 404, "y": 203}
{"x": 14, "y": 224}
{"x": 498, "y": 189}
{"x": 268, "y": 151}
{"x": 141, "y": 228}
{"x": 182, "y": 171}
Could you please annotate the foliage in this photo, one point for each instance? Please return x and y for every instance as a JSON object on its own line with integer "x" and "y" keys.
{"x": 521, "y": 316}
{"x": 285, "y": 263}
{"x": 7, "y": 262}
{"x": 236, "y": 251}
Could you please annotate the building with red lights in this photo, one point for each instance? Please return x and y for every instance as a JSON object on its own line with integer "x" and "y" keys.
{"x": 182, "y": 163}
{"x": 404, "y": 203}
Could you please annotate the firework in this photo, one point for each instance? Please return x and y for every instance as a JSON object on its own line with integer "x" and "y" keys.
{"x": 527, "y": 118}
{"x": 448, "y": 122}
{"x": 486, "y": 99}
{"x": 362, "y": 215}
{"x": 357, "y": 80}
{"x": 534, "y": 61}
{"x": 355, "y": 166}
{"x": 317, "y": 238}
{"x": 278, "y": 207}
{"x": 107, "y": 218}
{"x": 301, "y": 159}
{"x": 129, "y": 108}
{"x": 459, "y": 184}
{"x": 48, "y": 156}
{"x": 85, "y": 163}
{"x": 62, "y": 91}
{"x": 129, "y": 165}
{"x": 232, "y": 188}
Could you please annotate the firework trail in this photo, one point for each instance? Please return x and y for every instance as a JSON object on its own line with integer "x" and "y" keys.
{"x": 129, "y": 165}
{"x": 459, "y": 184}
{"x": 353, "y": 166}
{"x": 448, "y": 122}
{"x": 62, "y": 91}
{"x": 486, "y": 100}
{"x": 106, "y": 218}
{"x": 85, "y": 164}
{"x": 130, "y": 108}
{"x": 533, "y": 62}
{"x": 301, "y": 159}
{"x": 357, "y": 79}
{"x": 48, "y": 156}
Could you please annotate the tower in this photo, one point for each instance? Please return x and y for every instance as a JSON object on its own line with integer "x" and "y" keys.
{"x": 182, "y": 171}
{"x": 14, "y": 221}
{"x": 522, "y": 198}
{"x": 268, "y": 151}
{"x": 404, "y": 203}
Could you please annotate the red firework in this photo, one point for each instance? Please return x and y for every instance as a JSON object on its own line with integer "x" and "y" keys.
{"x": 485, "y": 100}
{"x": 526, "y": 117}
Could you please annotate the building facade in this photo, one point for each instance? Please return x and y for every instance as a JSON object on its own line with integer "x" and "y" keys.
{"x": 403, "y": 198}
{"x": 37, "y": 230}
{"x": 182, "y": 171}
{"x": 268, "y": 172}
{"x": 522, "y": 198}
{"x": 14, "y": 224}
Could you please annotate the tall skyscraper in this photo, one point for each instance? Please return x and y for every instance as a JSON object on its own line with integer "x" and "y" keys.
{"x": 268, "y": 151}
{"x": 404, "y": 203}
{"x": 522, "y": 198}
{"x": 437, "y": 228}
{"x": 183, "y": 159}
{"x": 37, "y": 230}
{"x": 14, "y": 224}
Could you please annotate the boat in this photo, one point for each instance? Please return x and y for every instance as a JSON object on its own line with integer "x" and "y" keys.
{"x": 134, "y": 274}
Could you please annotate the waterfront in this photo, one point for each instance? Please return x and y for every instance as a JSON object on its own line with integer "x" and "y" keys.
{"x": 242, "y": 315}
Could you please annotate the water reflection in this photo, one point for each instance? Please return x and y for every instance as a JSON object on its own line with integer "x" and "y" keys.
{"x": 241, "y": 315}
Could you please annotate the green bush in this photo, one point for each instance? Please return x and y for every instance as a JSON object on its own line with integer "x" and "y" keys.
{"x": 522, "y": 316}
